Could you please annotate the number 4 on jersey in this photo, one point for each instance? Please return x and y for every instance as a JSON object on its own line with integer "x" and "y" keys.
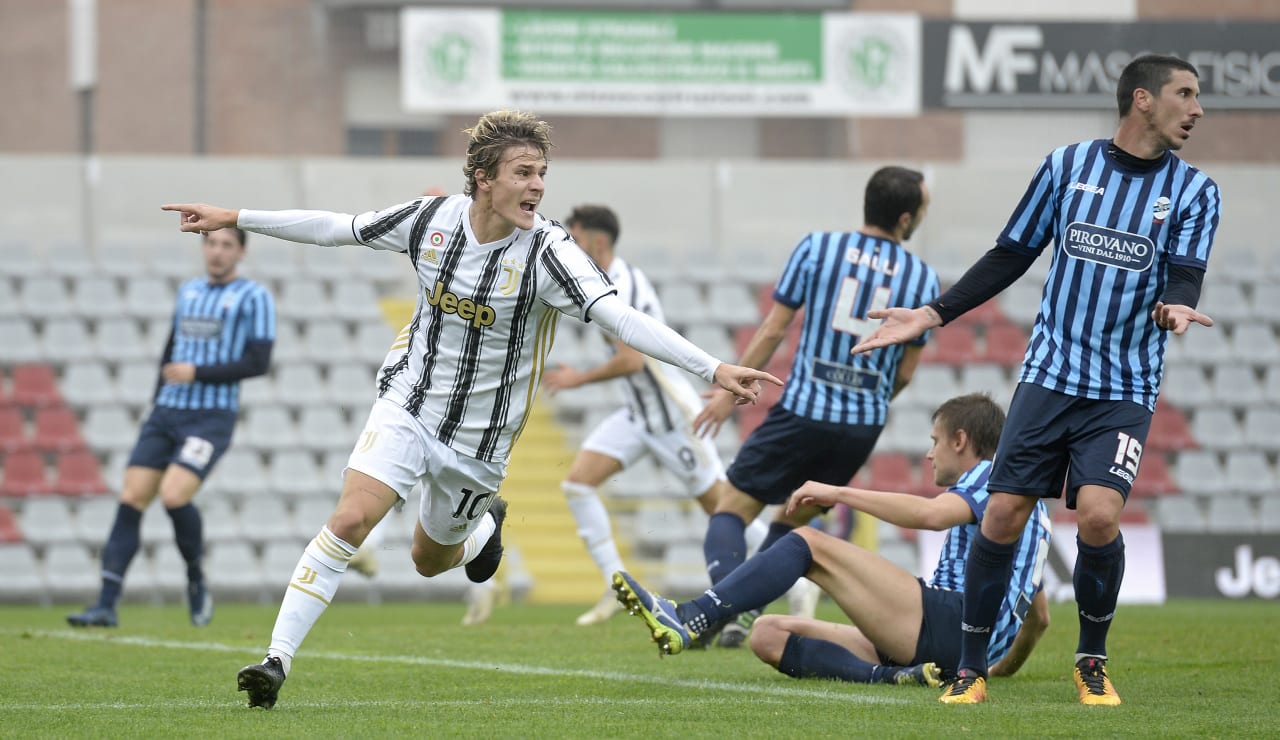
{"x": 842, "y": 318}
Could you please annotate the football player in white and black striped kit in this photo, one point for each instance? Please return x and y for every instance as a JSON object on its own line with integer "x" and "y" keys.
{"x": 459, "y": 382}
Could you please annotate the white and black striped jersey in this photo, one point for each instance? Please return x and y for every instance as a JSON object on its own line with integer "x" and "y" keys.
{"x": 660, "y": 395}
{"x": 469, "y": 362}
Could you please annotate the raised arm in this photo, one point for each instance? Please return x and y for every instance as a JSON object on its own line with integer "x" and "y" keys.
{"x": 1033, "y": 628}
{"x": 325, "y": 228}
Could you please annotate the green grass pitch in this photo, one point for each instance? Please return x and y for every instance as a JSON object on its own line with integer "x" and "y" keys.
{"x": 1188, "y": 669}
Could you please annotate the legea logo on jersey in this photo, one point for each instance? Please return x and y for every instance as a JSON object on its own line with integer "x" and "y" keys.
{"x": 1108, "y": 246}
{"x": 478, "y": 314}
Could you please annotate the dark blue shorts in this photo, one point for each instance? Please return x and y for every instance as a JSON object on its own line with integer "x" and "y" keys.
{"x": 939, "y": 639}
{"x": 192, "y": 438}
{"x": 787, "y": 450}
{"x": 1051, "y": 440}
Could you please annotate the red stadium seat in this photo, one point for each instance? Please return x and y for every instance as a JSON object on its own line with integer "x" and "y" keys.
{"x": 1154, "y": 477}
{"x": 57, "y": 430}
{"x": 1169, "y": 430}
{"x": 13, "y": 434}
{"x": 892, "y": 472}
{"x": 35, "y": 385}
{"x": 952, "y": 345}
{"x": 987, "y": 313}
{"x": 78, "y": 474}
{"x": 1006, "y": 345}
{"x": 24, "y": 474}
{"x": 9, "y": 532}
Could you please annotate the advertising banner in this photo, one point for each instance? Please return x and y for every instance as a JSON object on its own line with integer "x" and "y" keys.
{"x": 658, "y": 63}
{"x": 1144, "y": 570}
{"x": 1023, "y": 65}
{"x": 1234, "y": 566}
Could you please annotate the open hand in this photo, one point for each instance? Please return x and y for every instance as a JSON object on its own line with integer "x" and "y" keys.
{"x": 1178, "y": 318}
{"x": 900, "y": 325}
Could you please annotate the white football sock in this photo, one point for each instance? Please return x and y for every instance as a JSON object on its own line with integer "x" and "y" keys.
{"x": 476, "y": 541}
{"x": 314, "y": 582}
{"x": 593, "y": 527}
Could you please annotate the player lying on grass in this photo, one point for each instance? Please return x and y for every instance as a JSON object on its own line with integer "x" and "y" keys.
{"x": 903, "y": 629}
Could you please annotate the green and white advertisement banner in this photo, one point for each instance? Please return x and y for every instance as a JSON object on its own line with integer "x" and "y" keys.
{"x": 659, "y": 63}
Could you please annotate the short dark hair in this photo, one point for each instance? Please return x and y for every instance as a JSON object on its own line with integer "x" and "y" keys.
{"x": 241, "y": 235}
{"x": 980, "y": 417}
{"x": 599, "y": 218}
{"x": 1149, "y": 72}
{"x": 891, "y": 192}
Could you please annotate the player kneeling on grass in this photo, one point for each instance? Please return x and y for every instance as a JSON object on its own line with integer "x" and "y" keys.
{"x": 903, "y": 629}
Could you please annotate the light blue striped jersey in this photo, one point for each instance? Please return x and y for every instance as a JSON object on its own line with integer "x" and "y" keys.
{"x": 1117, "y": 231}
{"x": 837, "y": 277}
{"x": 211, "y": 326}
{"x": 1028, "y": 562}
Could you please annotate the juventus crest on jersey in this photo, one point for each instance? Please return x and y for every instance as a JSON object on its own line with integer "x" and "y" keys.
{"x": 469, "y": 363}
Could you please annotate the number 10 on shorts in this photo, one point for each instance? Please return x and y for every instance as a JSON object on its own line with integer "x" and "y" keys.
{"x": 472, "y": 506}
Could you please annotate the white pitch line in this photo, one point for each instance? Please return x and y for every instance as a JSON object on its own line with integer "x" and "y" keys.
{"x": 351, "y": 704}
{"x": 755, "y": 690}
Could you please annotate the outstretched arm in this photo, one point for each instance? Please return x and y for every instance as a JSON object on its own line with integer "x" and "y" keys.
{"x": 661, "y": 342}
{"x": 325, "y": 228}
{"x": 941, "y": 512}
{"x": 1033, "y": 628}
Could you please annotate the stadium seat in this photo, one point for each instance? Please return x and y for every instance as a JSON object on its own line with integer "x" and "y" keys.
{"x": 18, "y": 342}
{"x": 682, "y": 303}
{"x": 169, "y": 569}
{"x": 1185, "y": 386}
{"x": 119, "y": 339}
{"x": 44, "y": 298}
{"x": 952, "y": 345}
{"x": 270, "y": 428}
{"x": 9, "y": 531}
{"x": 1179, "y": 514}
{"x": 290, "y": 346}
{"x": 239, "y": 475}
{"x": 1248, "y": 472}
{"x": 1237, "y": 265}
{"x": 66, "y": 340}
{"x": 379, "y": 267}
{"x": 280, "y": 558}
{"x": 156, "y": 524}
{"x": 326, "y": 341}
{"x": 79, "y": 474}
{"x": 892, "y": 472}
{"x": 1169, "y": 429}
{"x": 1216, "y": 429}
{"x": 233, "y": 570}
{"x": 34, "y": 385}
{"x": 714, "y": 340}
{"x": 1006, "y": 344}
{"x": 87, "y": 384}
{"x": 929, "y": 387}
{"x": 353, "y": 384}
{"x": 97, "y": 297}
{"x": 1231, "y": 514}
{"x": 1236, "y": 384}
{"x": 47, "y": 520}
{"x": 1198, "y": 472}
{"x": 907, "y": 431}
{"x": 373, "y": 342}
{"x": 56, "y": 430}
{"x": 325, "y": 264}
{"x": 10, "y": 308}
{"x": 13, "y": 429}
{"x": 730, "y": 304}
{"x": 1266, "y": 296}
{"x": 1225, "y": 301}
{"x": 1200, "y": 346}
{"x": 355, "y": 300}
{"x": 266, "y": 520}
{"x": 1154, "y": 478}
{"x": 71, "y": 573}
{"x": 109, "y": 429}
{"x": 94, "y": 518}
{"x": 1255, "y": 344}
{"x": 1262, "y": 428}
{"x": 136, "y": 382}
{"x": 294, "y": 474}
{"x": 22, "y": 580}
{"x": 324, "y": 429}
{"x": 148, "y": 298}
{"x": 1020, "y": 302}
{"x": 219, "y": 519}
{"x": 304, "y": 300}
{"x": 684, "y": 574}
{"x": 993, "y": 379}
{"x": 22, "y": 259}
{"x": 1269, "y": 514}
{"x": 300, "y": 385}
{"x": 24, "y": 474}
{"x": 310, "y": 515}
{"x": 176, "y": 258}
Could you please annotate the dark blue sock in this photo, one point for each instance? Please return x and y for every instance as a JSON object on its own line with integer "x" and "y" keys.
{"x": 725, "y": 547}
{"x": 777, "y": 530}
{"x": 758, "y": 582}
{"x": 1099, "y": 571}
{"x": 188, "y": 532}
{"x": 122, "y": 545}
{"x": 986, "y": 580}
{"x": 809, "y": 657}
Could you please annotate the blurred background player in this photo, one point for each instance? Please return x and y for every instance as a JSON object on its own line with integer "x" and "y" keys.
{"x": 1083, "y": 405}
{"x": 222, "y": 332}
{"x": 833, "y": 407}
{"x": 456, "y": 387}
{"x": 657, "y": 417}
{"x": 902, "y": 629}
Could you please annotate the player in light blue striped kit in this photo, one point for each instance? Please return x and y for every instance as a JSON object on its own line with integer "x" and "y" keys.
{"x": 223, "y": 330}
{"x": 1132, "y": 226}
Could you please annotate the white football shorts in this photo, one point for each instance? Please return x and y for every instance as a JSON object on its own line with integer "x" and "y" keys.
{"x": 397, "y": 450}
{"x": 692, "y": 459}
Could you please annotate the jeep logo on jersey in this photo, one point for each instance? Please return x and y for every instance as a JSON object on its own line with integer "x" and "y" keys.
{"x": 477, "y": 313}
{"x": 1106, "y": 246}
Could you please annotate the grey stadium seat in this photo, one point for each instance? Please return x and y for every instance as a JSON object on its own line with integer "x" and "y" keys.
{"x": 265, "y": 519}
{"x": 66, "y": 340}
{"x": 300, "y": 385}
{"x": 1268, "y": 513}
{"x": 1250, "y": 473}
{"x": 156, "y": 524}
{"x": 239, "y": 474}
{"x": 1262, "y": 428}
{"x": 221, "y": 523}
{"x": 1235, "y": 384}
{"x": 294, "y": 474}
{"x": 1180, "y": 514}
{"x": 270, "y": 428}
{"x": 46, "y": 520}
{"x": 1216, "y": 429}
{"x": 354, "y": 299}
{"x": 88, "y": 383}
{"x": 1225, "y": 301}
{"x": 1255, "y": 343}
{"x": 148, "y": 297}
{"x": 682, "y": 303}
{"x": 98, "y": 297}
{"x": 732, "y": 304}
{"x": 45, "y": 298}
{"x": 324, "y": 428}
{"x": 1185, "y": 385}
{"x": 71, "y": 573}
{"x": 1198, "y": 472}
{"x": 232, "y": 569}
{"x": 18, "y": 342}
{"x": 304, "y": 300}
{"x": 109, "y": 428}
{"x": 326, "y": 341}
{"x": 119, "y": 339}
{"x": 1231, "y": 514}
{"x": 22, "y": 580}
{"x": 136, "y": 381}
{"x": 94, "y": 518}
